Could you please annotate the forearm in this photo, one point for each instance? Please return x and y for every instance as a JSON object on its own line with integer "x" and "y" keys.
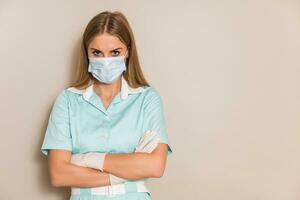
{"x": 68, "y": 174}
{"x": 132, "y": 166}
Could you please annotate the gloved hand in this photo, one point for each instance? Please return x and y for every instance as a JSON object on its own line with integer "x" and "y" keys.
{"x": 148, "y": 142}
{"x": 94, "y": 160}
{"x": 77, "y": 159}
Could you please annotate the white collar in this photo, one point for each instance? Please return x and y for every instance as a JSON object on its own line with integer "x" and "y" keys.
{"x": 125, "y": 90}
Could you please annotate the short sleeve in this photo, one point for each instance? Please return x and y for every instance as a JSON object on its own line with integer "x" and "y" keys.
{"x": 154, "y": 117}
{"x": 58, "y": 135}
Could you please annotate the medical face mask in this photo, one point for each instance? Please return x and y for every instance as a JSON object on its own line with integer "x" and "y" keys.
{"x": 107, "y": 69}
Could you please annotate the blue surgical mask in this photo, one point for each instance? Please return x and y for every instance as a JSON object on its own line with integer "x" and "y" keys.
{"x": 107, "y": 69}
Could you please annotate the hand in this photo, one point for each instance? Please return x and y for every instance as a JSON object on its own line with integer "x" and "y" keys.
{"x": 93, "y": 160}
{"x": 148, "y": 142}
{"x": 77, "y": 159}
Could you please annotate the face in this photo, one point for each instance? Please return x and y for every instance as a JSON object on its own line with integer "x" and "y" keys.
{"x": 106, "y": 45}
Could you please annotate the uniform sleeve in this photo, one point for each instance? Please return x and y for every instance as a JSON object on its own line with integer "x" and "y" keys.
{"x": 58, "y": 134}
{"x": 154, "y": 117}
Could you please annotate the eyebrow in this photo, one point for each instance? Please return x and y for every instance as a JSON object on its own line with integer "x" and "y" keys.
{"x": 110, "y": 51}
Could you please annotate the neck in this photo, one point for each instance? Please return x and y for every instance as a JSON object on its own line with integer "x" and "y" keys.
{"x": 107, "y": 91}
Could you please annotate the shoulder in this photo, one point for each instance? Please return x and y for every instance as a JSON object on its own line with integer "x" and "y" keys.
{"x": 72, "y": 93}
{"x": 151, "y": 91}
{"x": 152, "y": 96}
{"x": 61, "y": 99}
{"x": 66, "y": 95}
{"x": 62, "y": 95}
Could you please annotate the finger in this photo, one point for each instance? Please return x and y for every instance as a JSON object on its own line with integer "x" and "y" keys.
{"x": 145, "y": 139}
{"x": 151, "y": 146}
{"x": 144, "y": 136}
{"x": 148, "y": 138}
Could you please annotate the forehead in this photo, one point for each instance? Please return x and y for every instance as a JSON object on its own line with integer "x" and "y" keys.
{"x": 106, "y": 41}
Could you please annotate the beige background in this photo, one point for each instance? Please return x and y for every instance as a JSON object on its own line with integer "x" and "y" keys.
{"x": 228, "y": 72}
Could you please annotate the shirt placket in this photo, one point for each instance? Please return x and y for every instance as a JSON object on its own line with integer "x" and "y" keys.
{"x": 95, "y": 101}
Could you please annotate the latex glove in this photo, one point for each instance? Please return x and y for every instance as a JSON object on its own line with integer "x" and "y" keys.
{"x": 77, "y": 159}
{"x": 92, "y": 159}
{"x": 147, "y": 144}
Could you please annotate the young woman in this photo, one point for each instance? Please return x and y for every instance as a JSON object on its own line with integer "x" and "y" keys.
{"x": 106, "y": 132}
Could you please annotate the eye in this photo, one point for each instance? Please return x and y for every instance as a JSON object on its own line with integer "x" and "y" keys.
{"x": 115, "y": 53}
{"x": 96, "y": 52}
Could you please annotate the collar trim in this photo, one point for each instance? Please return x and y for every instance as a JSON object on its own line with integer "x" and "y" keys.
{"x": 125, "y": 90}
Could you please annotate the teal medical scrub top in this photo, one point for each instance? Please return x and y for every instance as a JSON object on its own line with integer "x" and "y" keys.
{"x": 79, "y": 122}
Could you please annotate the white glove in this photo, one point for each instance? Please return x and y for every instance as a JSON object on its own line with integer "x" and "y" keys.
{"x": 77, "y": 159}
{"x": 147, "y": 144}
{"x": 92, "y": 159}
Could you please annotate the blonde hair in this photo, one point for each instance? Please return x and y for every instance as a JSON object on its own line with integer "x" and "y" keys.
{"x": 116, "y": 24}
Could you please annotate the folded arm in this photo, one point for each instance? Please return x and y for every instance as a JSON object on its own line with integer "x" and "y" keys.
{"x": 63, "y": 173}
{"x": 137, "y": 165}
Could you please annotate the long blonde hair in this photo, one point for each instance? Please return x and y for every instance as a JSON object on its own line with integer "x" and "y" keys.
{"x": 116, "y": 24}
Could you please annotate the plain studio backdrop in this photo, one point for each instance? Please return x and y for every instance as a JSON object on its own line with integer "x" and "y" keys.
{"x": 228, "y": 73}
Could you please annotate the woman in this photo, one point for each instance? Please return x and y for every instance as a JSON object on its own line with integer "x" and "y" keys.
{"x": 106, "y": 132}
